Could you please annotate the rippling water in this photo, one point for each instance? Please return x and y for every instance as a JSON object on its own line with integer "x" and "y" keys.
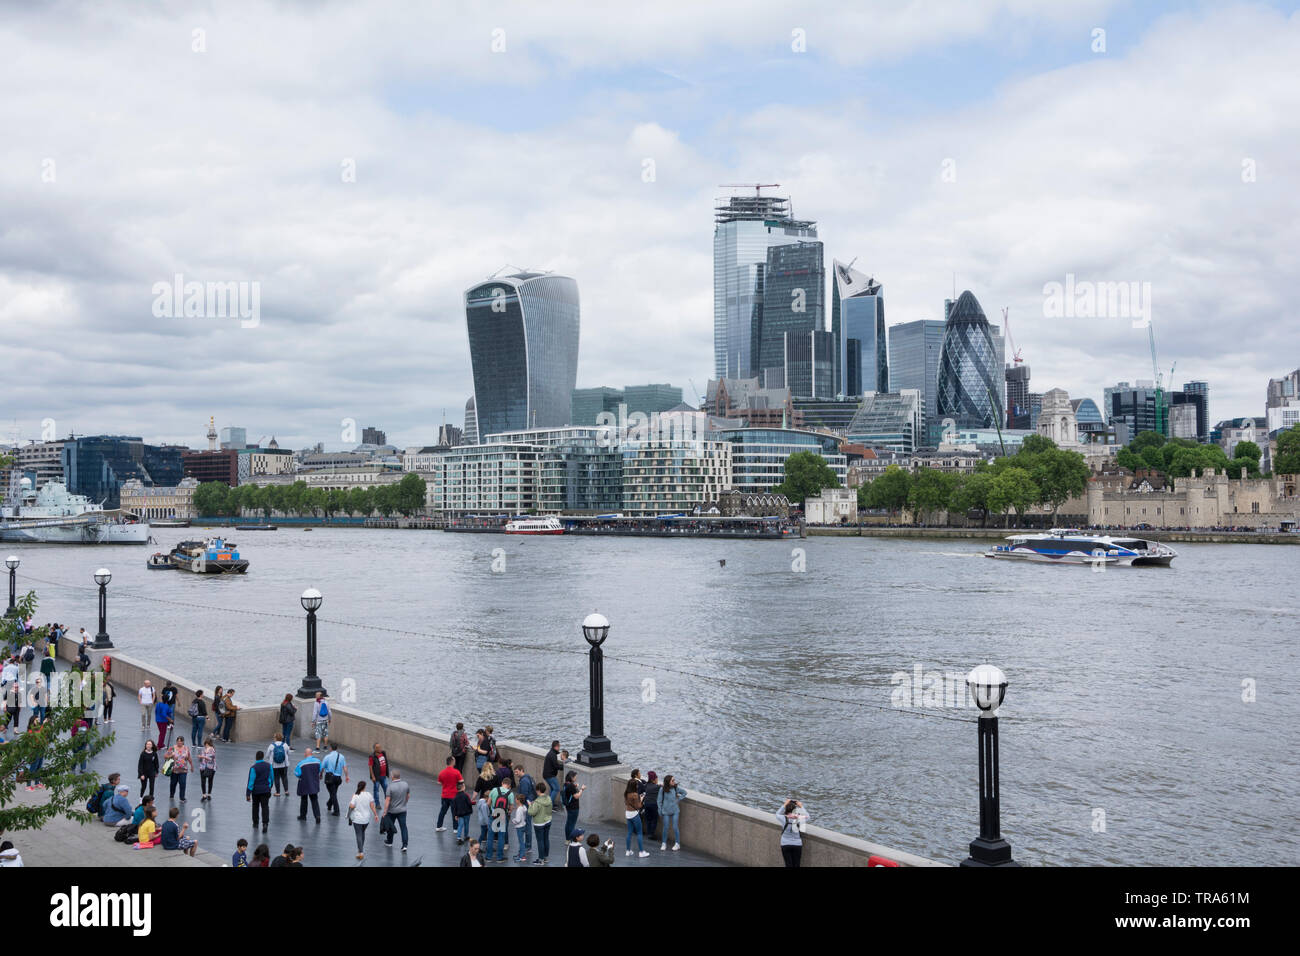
{"x": 1124, "y": 708}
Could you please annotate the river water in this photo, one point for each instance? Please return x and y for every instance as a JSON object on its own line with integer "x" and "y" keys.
{"x": 1125, "y": 738}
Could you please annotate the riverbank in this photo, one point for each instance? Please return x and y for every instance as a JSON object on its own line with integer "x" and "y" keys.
{"x": 999, "y": 534}
{"x": 726, "y": 832}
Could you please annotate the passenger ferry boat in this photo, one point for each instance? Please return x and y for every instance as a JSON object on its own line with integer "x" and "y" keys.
{"x": 1072, "y": 546}
{"x": 548, "y": 525}
{"x": 214, "y": 556}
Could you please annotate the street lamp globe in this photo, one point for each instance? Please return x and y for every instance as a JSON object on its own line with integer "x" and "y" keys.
{"x": 12, "y": 562}
{"x": 595, "y": 628}
{"x": 311, "y": 599}
{"x": 988, "y": 685}
{"x": 103, "y": 576}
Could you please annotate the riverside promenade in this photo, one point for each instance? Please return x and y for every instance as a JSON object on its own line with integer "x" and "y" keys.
{"x": 714, "y": 831}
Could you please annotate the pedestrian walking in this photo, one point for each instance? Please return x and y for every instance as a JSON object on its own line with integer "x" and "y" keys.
{"x": 147, "y": 700}
{"x": 461, "y": 810}
{"x": 278, "y": 754}
{"x": 449, "y": 779}
{"x": 670, "y": 798}
{"x": 540, "y": 813}
{"x": 793, "y": 819}
{"x": 147, "y": 767}
{"x": 361, "y": 813}
{"x": 207, "y": 768}
{"x": 650, "y": 806}
{"x": 258, "y": 791}
{"x": 334, "y": 771}
{"x": 107, "y": 698}
{"x": 320, "y": 720}
{"x": 379, "y": 771}
{"x": 459, "y": 744}
{"x": 572, "y": 793}
{"x": 632, "y": 811}
{"x": 182, "y": 763}
{"x": 308, "y": 774}
{"x": 47, "y": 672}
{"x": 198, "y": 718}
{"x": 395, "y": 803}
{"x": 288, "y": 717}
{"x": 162, "y": 717}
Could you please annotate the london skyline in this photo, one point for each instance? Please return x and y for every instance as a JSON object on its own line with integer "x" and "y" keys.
{"x": 992, "y": 151}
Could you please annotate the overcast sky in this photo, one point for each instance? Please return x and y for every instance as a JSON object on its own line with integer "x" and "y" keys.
{"x": 990, "y": 139}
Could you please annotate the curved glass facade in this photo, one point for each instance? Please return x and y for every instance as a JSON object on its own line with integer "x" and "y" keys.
{"x": 970, "y": 369}
{"x": 523, "y": 346}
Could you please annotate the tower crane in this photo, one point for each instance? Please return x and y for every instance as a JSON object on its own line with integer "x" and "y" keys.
{"x": 755, "y": 186}
{"x": 1155, "y": 370}
{"x": 1006, "y": 324}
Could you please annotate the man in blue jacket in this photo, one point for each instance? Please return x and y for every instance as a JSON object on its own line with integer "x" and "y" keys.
{"x": 119, "y": 808}
{"x": 308, "y": 774}
{"x": 259, "y": 789}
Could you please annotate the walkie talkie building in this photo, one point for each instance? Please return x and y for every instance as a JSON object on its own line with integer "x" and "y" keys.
{"x": 523, "y": 346}
{"x": 970, "y": 369}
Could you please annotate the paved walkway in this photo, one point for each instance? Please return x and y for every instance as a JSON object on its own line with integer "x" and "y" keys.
{"x": 218, "y": 823}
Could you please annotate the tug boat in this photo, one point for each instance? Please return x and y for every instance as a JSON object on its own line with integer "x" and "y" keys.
{"x": 548, "y": 525}
{"x": 213, "y": 556}
{"x": 1072, "y": 546}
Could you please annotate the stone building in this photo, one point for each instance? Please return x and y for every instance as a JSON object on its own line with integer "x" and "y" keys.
{"x": 832, "y": 506}
{"x": 1211, "y": 501}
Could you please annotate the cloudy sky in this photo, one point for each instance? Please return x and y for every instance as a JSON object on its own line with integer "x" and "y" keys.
{"x": 365, "y": 163}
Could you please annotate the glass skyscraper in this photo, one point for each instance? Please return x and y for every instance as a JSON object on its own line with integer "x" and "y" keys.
{"x": 649, "y": 399}
{"x": 745, "y": 227}
{"x": 858, "y": 328}
{"x": 1017, "y": 377}
{"x": 914, "y": 349}
{"x": 587, "y": 404}
{"x": 971, "y": 374}
{"x": 1203, "y": 408}
{"x": 523, "y": 346}
{"x": 794, "y": 283}
{"x": 97, "y": 466}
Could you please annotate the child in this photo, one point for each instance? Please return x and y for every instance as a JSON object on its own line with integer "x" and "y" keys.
{"x": 173, "y": 835}
{"x": 240, "y": 857}
{"x": 148, "y": 834}
{"x": 519, "y": 819}
{"x": 461, "y": 811}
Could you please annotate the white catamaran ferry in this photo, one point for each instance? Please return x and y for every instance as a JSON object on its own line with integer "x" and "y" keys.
{"x": 1072, "y": 546}
{"x": 548, "y": 525}
{"x": 53, "y": 516}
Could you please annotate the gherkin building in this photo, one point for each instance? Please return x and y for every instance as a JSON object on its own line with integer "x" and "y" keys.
{"x": 969, "y": 387}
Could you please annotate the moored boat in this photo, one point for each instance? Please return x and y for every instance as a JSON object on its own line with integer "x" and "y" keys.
{"x": 1072, "y": 546}
{"x": 160, "y": 562}
{"x": 213, "y": 556}
{"x": 548, "y": 525}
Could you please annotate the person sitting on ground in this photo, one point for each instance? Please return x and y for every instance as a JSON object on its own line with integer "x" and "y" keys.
{"x": 138, "y": 817}
{"x": 148, "y": 836}
{"x": 173, "y": 835}
{"x": 119, "y": 807}
{"x": 261, "y": 855}
{"x": 239, "y": 860}
{"x": 9, "y": 856}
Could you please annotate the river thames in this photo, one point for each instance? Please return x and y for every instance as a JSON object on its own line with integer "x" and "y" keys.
{"x": 1150, "y": 717}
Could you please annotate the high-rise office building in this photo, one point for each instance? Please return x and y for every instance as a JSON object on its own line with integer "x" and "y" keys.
{"x": 1190, "y": 423}
{"x": 794, "y": 282}
{"x": 745, "y": 227}
{"x": 890, "y": 420}
{"x": 1135, "y": 409}
{"x": 97, "y": 466}
{"x": 1203, "y": 411}
{"x": 587, "y": 403}
{"x": 471, "y": 422}
{"x": 1281, "y": 391}
{"x": 807, "y": 365}
{"x": 523, "y": 346}
{"x": 970, "y": 368}
{"x": 858, "y": 329}
{"x": 1017, "y": 377}
{"x": 914, "y": 351}
{"x": 649, "y": 399}
{"x": 234, "y": 437}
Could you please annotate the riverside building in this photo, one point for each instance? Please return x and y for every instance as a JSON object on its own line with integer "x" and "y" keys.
{"x": 758, "y": 455}
{"x": 668, "y": 476}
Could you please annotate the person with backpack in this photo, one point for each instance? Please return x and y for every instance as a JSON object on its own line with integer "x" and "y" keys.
{"x": 278, "y": 754}
{"x": 793, "y": 818}
{"x": 448, "y": 778}
{"x": 288, "y": 717}
{"x": 169, "y": 693}
{"x": 632, "y": 811}
{"x": 181, "y": 765}
{"x": 461, "y": 810}
{"x": 320, "y": 721}
{"x": 147, "y": 767}
{"x": 334, "y": 771}
{"x": 459, "y": 744}
{"x": 230, "y": 710}
{"x": 379, "y": 771}
{"x": 539, "y": 812}
{"x": 501, "y": 803}
{"x": 670, "y": 798}
{"x": 162, "y": 716}
{"x": 207, "y": 768}
{"x": 361, "y": 813}
{"x": 102, "y": 798}
{"x": 258, "y": 791}
{"x": 198, "y": 718}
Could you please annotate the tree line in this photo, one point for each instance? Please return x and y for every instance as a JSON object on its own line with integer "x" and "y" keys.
{"x": 217, "y": 499}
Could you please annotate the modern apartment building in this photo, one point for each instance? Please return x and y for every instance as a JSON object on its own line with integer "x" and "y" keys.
{"x": 668, "y": 476}
{"x": 758, "y": 455}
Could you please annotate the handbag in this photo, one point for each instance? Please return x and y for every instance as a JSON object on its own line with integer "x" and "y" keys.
{"x": 167, "y": 767}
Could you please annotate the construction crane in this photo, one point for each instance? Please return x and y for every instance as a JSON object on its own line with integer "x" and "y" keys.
{"x": 1006, "y": 324}
{"x": 756, "y": 186}
{"x": 1155, "y": 370}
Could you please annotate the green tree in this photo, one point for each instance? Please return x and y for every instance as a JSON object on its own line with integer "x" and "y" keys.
{"x": 1013, "y": 488}
{"x": 1060, "y": 475}
{"x": 1248, "y": 449}
{"x": 972, "y": 493}
{"x": 1127, "y": 458}
{"x": 1287, "y": 460}
{"x": 1146, "y": 439}
{"x": 411, "y": 492}
{"x": 66, "y": 790}
{"x": 806, "y": 474}
{"x": 211, "y": 498}
{"x": 931, "y": 490}
{"x": 891, "y": 490}
{"x": 1036, "y": 444}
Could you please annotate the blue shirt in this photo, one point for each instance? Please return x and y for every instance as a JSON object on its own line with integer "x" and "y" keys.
{"x": 239, "y": 858}
{"x": 335, "y": 763}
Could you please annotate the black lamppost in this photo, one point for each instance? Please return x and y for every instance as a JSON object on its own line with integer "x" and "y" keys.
{"x": 102, "y": 577}
{"x": 311, "y": 601}
{"x": 12, "y": 563}
{"x": 595, "y": 750}
{"x": 988, "y": 685}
